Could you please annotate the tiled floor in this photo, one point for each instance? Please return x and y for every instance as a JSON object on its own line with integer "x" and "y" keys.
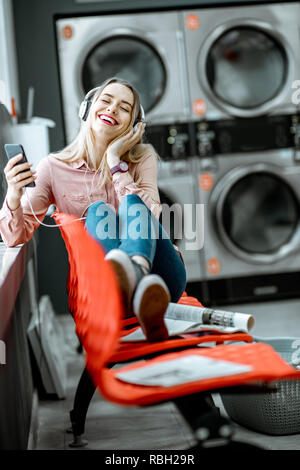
{"x": 158, "y": 427}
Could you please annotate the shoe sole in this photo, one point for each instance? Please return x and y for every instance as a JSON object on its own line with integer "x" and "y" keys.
{"x": 153, "y": 303}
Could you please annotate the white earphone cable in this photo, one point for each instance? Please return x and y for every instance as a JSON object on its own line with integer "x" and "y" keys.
{"x": 48, "y": 225}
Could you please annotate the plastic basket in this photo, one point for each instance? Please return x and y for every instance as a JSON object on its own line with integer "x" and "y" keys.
{"x": 274, "y": 412}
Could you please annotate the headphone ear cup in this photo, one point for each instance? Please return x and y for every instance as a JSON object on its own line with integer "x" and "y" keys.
{"x": 84, "y": 109}
{"x": 86, "y": 104}
{"x": 141, "y": 116}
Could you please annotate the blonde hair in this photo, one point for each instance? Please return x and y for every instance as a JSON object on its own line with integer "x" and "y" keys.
{"x": 83, "y": 146}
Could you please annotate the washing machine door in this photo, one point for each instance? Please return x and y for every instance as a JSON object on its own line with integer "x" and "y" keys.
{"x": 257, "y": 213}
{"x": 242, "y": 60}
{"x": 130, "y": 58}
{"x": 246, "y": 69}
{"x": 144, "y": 49}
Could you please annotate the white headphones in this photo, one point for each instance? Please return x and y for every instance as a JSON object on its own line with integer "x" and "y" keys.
{"x": 87, "y": 101}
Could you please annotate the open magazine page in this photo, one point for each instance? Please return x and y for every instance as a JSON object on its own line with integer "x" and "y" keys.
{"x": 209, "y": 316}
{"x": 182, "y": 370}
{"x": 187, "y": 319}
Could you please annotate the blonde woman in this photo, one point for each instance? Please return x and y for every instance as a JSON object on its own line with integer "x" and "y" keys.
{"x": 108, "y": 176}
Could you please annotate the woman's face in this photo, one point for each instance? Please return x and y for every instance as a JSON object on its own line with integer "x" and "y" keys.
{"x": 111, "y": 112}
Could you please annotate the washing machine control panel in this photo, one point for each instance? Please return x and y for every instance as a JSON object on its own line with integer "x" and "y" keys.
{"x": 244, "y": 135}
{"x": 172, "y": 142}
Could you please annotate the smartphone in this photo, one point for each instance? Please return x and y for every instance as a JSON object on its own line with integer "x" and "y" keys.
{"x": 11, "y": 151}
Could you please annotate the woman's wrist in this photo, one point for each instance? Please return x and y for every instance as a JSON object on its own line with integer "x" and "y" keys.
{"x": 112, "y": 160}
{"x": 13, "y": 200}
{"x": 12, "y": 203}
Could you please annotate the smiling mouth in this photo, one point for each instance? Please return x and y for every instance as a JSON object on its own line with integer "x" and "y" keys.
{"x": 108, "y": 120}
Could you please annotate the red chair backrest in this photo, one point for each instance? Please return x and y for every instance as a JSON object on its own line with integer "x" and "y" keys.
{"x": 93, "y": 288}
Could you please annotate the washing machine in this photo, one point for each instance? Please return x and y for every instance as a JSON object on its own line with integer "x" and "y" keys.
{"x": 146, "y": 49}
{"x": 176, "y": 186}
{"x": 178, "y": 191}
{"x": 243, "y": 60}
{"x": 249, "y": 186}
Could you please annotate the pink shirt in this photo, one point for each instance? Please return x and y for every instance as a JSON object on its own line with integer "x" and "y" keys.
{"x": 72, "y": 188}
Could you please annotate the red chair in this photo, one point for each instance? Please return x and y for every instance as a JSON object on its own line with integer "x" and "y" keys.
{"x": 95, "y": 302}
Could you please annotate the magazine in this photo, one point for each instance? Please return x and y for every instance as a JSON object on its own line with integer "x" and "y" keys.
{"x": 182, "y": 370}
{"x": 209, "y": 316}
{"x": 182, "y": 319}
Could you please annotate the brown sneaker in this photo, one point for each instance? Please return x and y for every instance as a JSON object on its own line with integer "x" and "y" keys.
{"x": 150, "y": 302}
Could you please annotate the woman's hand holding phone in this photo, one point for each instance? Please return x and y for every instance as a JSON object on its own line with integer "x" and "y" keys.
{"x": 125, "y": 143}
{"x": 17, "y": 175}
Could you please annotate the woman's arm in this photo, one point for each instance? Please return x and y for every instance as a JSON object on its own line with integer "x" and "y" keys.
{"x": 18, "y": 225}
{"x": 146, "y": 185}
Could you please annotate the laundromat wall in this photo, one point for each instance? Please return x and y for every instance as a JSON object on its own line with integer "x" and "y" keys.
{"x": 229, "y": 275}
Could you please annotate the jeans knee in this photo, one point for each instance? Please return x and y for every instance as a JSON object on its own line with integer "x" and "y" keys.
{"x": 131, "y": 199}
{"x": 99, "y": 215}
{"x": 93, "y": 208}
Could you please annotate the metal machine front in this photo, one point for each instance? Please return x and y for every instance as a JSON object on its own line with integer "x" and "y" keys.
{"x": 146, "y": 49}
{"x": 242, "y": 60}
{"x": 216, "y": 86}
{"x": 250, "y": 189}
{"x": 177, "y": 192}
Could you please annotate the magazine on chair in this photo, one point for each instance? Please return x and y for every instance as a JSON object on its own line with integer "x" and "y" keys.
{"x": 182, "y": 319}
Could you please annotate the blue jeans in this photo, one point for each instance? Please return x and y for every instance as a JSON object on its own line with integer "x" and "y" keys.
{"x": 135, "y": 230}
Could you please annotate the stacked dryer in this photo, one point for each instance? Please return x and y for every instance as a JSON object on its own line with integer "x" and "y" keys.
{"x": 216, "y": 85}
{"x": 242, "y": 63}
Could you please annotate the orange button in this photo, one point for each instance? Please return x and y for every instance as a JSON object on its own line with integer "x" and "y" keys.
{"x": 199, "y": 107}
{"x": 206, "y": 181}
{"x": 67, "y": 32}
{"x": 213, "y": 266}
{"x": 192, "y": 22}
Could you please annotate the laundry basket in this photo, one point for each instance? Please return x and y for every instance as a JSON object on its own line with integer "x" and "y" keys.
{"x": 275, "y": 412}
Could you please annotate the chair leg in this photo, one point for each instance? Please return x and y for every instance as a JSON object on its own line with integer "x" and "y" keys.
{"x": 83, "y": 396}
{"x": 204, "y": 418}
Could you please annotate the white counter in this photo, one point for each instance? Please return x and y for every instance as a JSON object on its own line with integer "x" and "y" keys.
{"x": 12, "y": 269}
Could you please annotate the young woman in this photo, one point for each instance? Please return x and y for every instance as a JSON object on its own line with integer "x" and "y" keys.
{"x": 108, "y": 176}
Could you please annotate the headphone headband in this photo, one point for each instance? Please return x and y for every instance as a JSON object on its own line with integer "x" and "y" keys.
{"x": 87, "y": 101}
{"x": 142, "y": 113}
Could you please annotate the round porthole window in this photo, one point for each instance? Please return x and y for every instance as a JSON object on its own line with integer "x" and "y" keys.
{"x": 260, "y": 213}
{"x": 245, "y": 68}
{"x": 130, "y": 59}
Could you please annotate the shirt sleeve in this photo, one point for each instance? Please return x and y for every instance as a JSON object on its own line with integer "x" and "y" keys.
{"x": 18, "y": 226}
{"x": 145, "y": 185}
